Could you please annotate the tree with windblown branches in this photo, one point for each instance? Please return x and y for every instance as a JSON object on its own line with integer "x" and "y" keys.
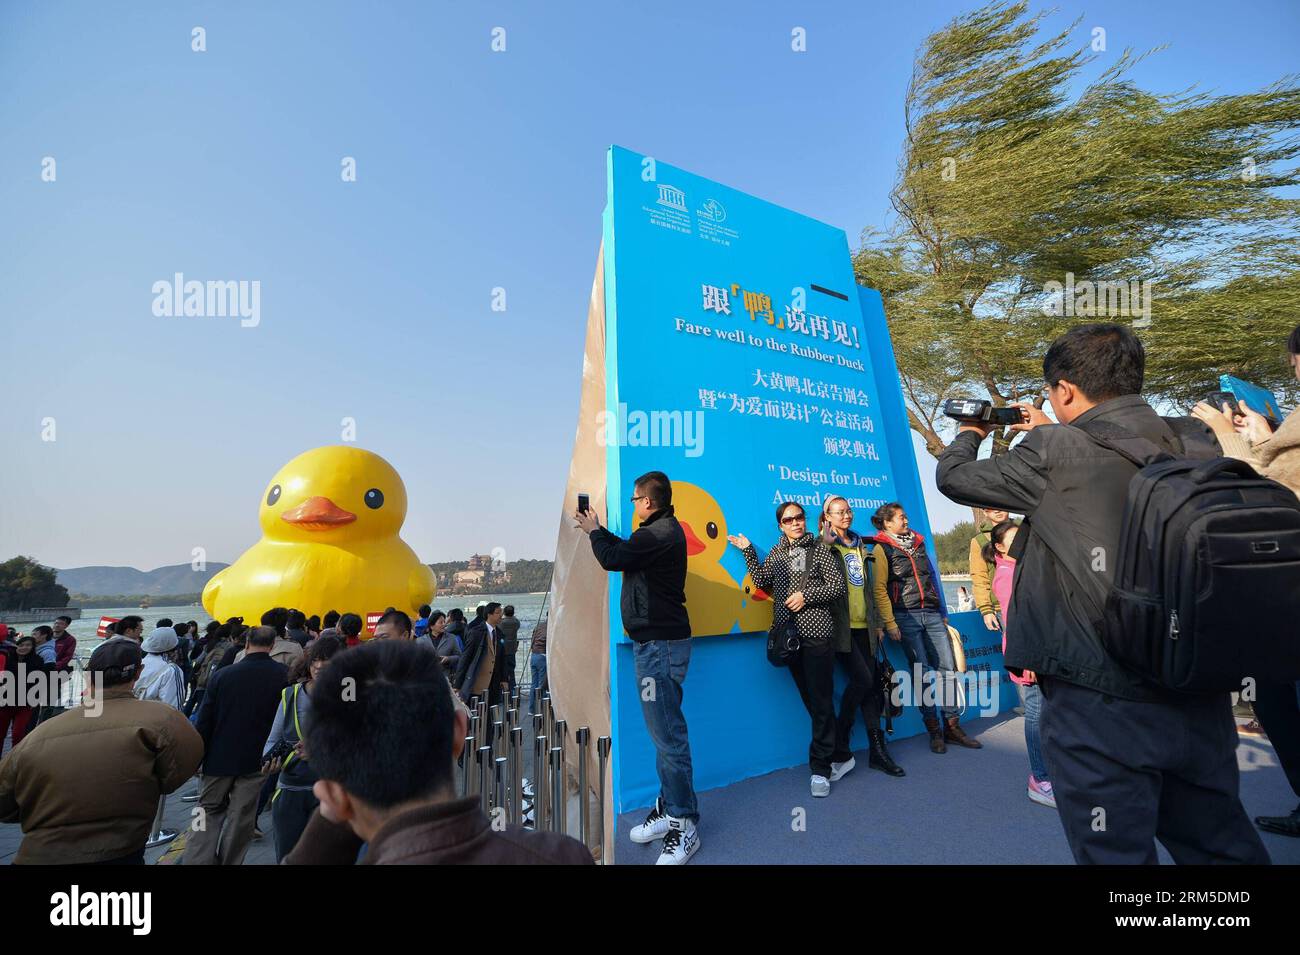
{"x": 1008, "y": 183}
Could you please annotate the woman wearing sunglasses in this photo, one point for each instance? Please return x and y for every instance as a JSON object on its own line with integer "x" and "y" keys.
{"x": 805, "y": 581}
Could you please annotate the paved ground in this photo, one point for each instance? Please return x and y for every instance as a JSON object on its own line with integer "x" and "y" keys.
{"x": 964, "y": 807}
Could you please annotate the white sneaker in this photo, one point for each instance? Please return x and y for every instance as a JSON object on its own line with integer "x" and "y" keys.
{"x": 656, "y": 825}
{"x": 160, "y": 837}
{"x": 821, "y": 786}
{"x": 840, "y": 770}
{"x": 681, "y": 841}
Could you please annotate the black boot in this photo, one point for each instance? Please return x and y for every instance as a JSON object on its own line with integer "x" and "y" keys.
{"x": 879, "y": 757}
{"x": 955, "y": 734}
{"x": 936, "y": 735}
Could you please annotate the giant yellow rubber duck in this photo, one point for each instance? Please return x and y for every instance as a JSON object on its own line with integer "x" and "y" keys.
{"x": 330, "y": 520}
{"x": 713, "y": 598}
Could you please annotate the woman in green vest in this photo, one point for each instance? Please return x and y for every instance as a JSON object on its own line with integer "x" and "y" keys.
{"x": 294, "y": 800}
{"x": 859, "y": 630}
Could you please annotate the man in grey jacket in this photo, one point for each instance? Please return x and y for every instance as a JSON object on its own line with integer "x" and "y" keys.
{"x": 1130, "y": 763}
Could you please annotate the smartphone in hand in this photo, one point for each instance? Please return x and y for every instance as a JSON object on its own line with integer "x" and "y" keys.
{"x": 584, "y": 503}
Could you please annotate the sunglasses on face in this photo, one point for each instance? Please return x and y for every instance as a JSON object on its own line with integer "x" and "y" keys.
{"x": 793, "y": 520}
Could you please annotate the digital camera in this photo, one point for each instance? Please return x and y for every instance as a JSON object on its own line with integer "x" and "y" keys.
{"x": 976, "y": 411}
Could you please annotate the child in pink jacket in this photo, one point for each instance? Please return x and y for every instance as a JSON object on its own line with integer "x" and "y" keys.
{"x": 1040, "y": 786}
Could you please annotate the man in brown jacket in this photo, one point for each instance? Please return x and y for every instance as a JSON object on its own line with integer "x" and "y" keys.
{"x": 383, "y": 740}
{"x": 85, "y": 785}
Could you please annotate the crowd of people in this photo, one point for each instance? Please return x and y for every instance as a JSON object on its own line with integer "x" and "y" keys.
{"x": 47, "y": 650}
{"x": 1099, "y": 736}
{"x": 352, "y": 741}
{"x": 238, "y": 708}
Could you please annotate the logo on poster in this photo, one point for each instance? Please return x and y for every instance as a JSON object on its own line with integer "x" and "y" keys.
{"x": 712, "y": 211}
{"x": 672, "y": 197}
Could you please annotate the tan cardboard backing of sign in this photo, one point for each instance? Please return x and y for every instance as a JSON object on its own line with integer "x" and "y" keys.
{"x": 577, "y": 649}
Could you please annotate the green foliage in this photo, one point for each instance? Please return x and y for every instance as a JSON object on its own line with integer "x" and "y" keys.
{"x": 1008, "y": 181}
{"x": 952, "y": 548}
{"x": 26, "y": 584}
{"x": 530, "y": 576}
{"x": 526, "y": 576}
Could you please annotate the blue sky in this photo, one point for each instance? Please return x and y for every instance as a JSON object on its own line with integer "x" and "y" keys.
{"x": 475, "y": 170}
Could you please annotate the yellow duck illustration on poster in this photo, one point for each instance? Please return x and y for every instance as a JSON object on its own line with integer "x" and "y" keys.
{"x": 755, "y": 607}
{"x": 330, "y": 520}
{"x": 714, "y": 601}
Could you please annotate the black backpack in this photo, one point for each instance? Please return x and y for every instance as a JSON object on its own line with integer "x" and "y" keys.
{"x": 1207, "y": 579}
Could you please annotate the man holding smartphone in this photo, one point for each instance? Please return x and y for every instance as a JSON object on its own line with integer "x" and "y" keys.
{"x": 653, "y": 605}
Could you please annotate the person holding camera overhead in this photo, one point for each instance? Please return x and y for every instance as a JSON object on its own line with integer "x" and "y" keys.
{"x": 805, "y": 580}
{"x": 1276, "y": 456}
{"x": 1161, "y": 763}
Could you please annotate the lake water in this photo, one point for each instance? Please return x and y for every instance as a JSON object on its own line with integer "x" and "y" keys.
{"x": 527, "y": 607}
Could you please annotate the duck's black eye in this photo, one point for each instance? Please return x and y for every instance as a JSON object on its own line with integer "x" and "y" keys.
{"x": 273, "y": 495}
{"x": 712, "y": 530}
{"x": 374, "y": 499}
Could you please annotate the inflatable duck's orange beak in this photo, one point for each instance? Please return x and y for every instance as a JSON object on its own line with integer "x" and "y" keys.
{"x": 318, "y": 514}
{"x": 758, "y": 593}
{"x": 693, "y": 544}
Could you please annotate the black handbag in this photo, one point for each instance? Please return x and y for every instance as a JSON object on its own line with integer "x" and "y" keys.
{"x": 782, "y": 646}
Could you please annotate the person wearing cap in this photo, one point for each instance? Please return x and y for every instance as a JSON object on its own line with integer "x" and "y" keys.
{"x": 85, "y": 784}
{"x": 162, "y": 680}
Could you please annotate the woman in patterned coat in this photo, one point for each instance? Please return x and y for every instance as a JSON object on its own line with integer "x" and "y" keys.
{"x": 806, "y": 582}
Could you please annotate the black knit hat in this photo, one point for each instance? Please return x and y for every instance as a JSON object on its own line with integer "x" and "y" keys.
{"x": 120, "y": 654}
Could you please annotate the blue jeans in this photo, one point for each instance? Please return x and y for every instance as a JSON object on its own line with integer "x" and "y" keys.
{"x": 538, "y": 663}
{"x": 1033, "y": 735}
{"x": 660, "y": 672}
{"x": 925, "y": 641}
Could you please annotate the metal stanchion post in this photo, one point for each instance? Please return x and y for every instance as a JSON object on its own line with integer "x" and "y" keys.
{"x": 466, "y": 756}
{"x": 484, "y": 777}
{"x": 501, "y": 788}
{"x": 562, "y": 740}
{"x": 498, "y": 738}
{"x": 559, "y": 820}
{"x": 517, "y": 776}
{"x": 583, "y": 738}
{"x": 540, "y": 791}
{"x": 603, "y": 746}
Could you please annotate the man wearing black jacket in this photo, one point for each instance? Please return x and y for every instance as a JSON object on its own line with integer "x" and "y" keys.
{"x": 234, "y": 720}
{"x": 1130, "y": 763}
{"x": 653, "y": 604}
